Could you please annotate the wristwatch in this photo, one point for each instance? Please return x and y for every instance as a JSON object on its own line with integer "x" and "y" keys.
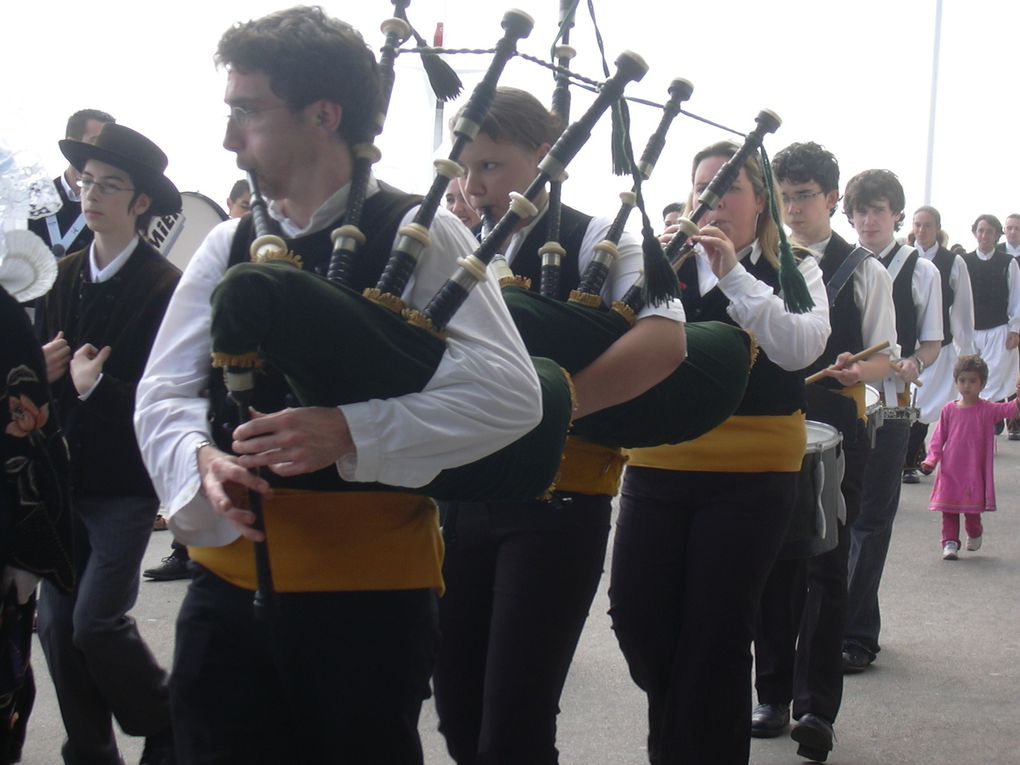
{"x": 920, "y": 364}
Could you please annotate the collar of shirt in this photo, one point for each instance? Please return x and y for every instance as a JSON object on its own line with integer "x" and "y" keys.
{"x": 984, "y": 255}
{"x": 97, "y": 274}
{"x": 928, "y": 254}
{"x": 328, "y": 211}
{"x": 885, "y": 250}
{"x": 1011, "y": 250}
{"x": 818, "y": 248}
{"x": 71, "y": 191}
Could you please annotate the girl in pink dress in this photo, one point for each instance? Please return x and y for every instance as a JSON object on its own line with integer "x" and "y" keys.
{"x": 964, "y": 442}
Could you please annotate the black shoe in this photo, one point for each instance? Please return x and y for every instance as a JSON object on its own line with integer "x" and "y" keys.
{"x": 159, "y": 749}
{"x": 174, "y": 566}
{"x": 999, "y": 427}
{"x": 911, "y": 475}
{"x": 769, "y": 720}
{"x": 1014, "y": 435}
{"x": 856, "y": 660}
{"x": 815, "y": 736}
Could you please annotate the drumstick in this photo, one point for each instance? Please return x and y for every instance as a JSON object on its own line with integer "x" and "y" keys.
{"x": 856, "y": 357}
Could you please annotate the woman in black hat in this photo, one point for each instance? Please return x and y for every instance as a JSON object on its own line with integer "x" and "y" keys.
{"x": 107, "y": 305}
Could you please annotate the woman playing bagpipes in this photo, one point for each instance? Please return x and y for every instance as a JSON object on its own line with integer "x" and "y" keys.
{"x": 702, "y": 522}
{"x": 339, "y": 670}
{"x": 521, "y": 576}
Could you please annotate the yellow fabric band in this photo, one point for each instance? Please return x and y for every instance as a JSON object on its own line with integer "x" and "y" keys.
{"x": 590, "y": 469}
{"x": 856, "y": 393}
{"x": 742, "y": 444}
{"x": 338, "y": 542}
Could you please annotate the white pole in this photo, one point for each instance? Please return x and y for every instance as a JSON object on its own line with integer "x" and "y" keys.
{"x": 931, "y": 107}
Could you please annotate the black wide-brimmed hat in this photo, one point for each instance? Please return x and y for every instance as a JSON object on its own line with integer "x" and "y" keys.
{"x": 134, "y": 153}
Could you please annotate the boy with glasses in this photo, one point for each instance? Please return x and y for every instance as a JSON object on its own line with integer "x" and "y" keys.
{"x": 107, "y": 304}
{"x": 799, "y": 629}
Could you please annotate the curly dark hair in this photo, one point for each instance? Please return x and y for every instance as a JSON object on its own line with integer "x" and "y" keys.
{"x": 991, "y": 220}
{"x": 972, "y": 363}
{"x": 309, "y": 56}
{"x": 872, "y": 186}
{"x": 807, "y": 162}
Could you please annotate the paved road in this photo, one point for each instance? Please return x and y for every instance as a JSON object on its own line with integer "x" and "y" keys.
{"x": 944, "y": 691}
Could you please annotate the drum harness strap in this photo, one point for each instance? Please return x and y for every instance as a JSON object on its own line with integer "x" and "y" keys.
{"x": 839, "y": 279}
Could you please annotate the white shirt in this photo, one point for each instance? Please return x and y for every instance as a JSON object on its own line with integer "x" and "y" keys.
{"x": 73, "y": 192}
{"x": 873, "y": 298}
{"x": 97, "y": 274}
{"x": 626, "y": 268}
{"x": 791, "y": 340}
{"x": 483, "y": 396}
{"x": 1013, "y": 280}
{"x": 961, "y": 312}
{"x": 926, "y": 295}
{"x": 1011, "y": 250}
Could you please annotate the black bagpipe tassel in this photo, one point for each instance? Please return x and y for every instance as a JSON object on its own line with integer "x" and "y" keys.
{"x": 444, "y": 81}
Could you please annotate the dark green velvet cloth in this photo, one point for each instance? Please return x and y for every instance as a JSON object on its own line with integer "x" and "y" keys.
{"x": 703, "y": 391}
{"x": 335, "y": 347}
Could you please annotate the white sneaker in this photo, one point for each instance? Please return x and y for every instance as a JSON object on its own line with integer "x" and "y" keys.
{"x": 950, "y": 550}
{"x": 974, "y": 543}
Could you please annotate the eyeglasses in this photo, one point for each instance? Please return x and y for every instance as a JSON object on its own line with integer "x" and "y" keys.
{"x": 800, "y": 198}
{"x": 105, "y": 187}
{"x": 243, "y": 115}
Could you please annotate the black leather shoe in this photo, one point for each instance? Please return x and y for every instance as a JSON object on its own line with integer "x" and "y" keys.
{"x": 174, "y": 566}
{"x": 769, "y": 720}
{"x": 159, "y": 749}
{"x": 855, "y": 660}
{"x": 815, "y": 736}
{"x": 911, "y": 475}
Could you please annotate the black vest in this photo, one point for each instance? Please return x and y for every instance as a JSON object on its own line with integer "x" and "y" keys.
{"x": 989, "y": 280}
{"x": 903, "y": 300}
{"x": 844, "y": 315}
{"x": 380, "y": 219}
{"x": 943, "y": 261}
{"x": 771, "y": 390}
{"x": 66, "y": 216}
{"x": 528, "y": 263}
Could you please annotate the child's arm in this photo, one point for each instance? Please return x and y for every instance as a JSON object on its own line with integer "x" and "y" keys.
{"x": 937, "y": 442}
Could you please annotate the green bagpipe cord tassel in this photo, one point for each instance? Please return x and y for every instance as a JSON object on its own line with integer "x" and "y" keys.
{"x": 661, "y": 283}
{"x": 796, "y": 297}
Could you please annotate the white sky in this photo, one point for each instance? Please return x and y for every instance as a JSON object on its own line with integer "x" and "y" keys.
{"x": 853, "y": 76}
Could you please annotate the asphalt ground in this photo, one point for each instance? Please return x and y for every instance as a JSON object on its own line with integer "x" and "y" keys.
{"x": 945, "y": 689}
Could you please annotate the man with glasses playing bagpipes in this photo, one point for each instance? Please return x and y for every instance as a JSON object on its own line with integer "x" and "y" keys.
{"x": 340, "y": 667}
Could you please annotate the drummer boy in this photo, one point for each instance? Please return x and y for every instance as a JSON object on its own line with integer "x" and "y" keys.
{"x": 807, "y": 666}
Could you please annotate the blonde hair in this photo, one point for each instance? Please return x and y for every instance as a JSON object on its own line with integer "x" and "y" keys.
{"x": 766, "y": 231}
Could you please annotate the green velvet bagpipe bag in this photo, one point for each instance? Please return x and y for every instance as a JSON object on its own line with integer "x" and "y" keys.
{"x": 698, "y": 396}
{"x": 334, "y": 346}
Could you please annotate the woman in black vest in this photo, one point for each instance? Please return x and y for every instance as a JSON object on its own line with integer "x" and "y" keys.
{"x": 520, "y": 577}
{"x": 701, "y": 523}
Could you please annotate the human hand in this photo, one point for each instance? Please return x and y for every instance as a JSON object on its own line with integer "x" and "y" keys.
{"x": 927, "y": 467}
{"x": 1012, "y": 340}
{"x": 667, "y": 235}
{"x": 843, "y": 371}
{"x": 294, "y": 441}
{"x": 86, "y": 366}
{"x": 906, "y": 370}
{"x": 225, "y": 483}
{"x": 57, "y": 354}
{"x": 722, "y": 256}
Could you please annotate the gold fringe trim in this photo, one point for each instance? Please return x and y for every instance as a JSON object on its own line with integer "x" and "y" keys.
{"x": 585, "y": 298}
{"x": 625, "y": 311}
{"x": 418, "y": 319}
{"x": 385, "y": 299}
{"x": 755, "y": 348}
{"x": 240, "y": 361}
{"x": 515, "y": 281}
{"x": 288, "y": 257}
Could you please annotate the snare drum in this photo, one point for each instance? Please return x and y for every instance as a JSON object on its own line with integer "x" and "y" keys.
{"x": 814, "y": 528}
{"x": 178, "y": 236}
{"x": 907, "y": 414}
{"x": 873, "y": 411}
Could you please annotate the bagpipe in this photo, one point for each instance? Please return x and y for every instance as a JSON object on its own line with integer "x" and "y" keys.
{"x": 708, "y": 386}
{"x": 261, "y": 311}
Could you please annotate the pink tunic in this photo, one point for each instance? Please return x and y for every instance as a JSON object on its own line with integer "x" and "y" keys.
{"x": 964, "y": 442}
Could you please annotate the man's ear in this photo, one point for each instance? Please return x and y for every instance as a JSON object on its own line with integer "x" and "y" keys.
{"x": 141, "y": 204}
{"x": 326, "y": 114}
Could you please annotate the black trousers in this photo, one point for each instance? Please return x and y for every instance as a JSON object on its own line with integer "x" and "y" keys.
{"x": 520, "y": 578}
{"x": 916, "y": 451}
{"x": 332, "y": 678}
{"x": 798, "y": 644}
{"x": 690, "y": 558}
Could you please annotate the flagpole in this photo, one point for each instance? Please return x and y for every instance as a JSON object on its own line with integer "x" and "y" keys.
{"x": 931, "y": 108}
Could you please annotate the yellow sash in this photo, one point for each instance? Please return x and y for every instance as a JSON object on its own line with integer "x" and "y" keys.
{"x": 590, "y": 469}
{"x": 336, "y": 542}
{"x": 855, "y": 392}
{"x": 742, "y": 444}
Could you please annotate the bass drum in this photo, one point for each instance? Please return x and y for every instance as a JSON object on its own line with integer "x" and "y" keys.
{"x": 178, "y": 236}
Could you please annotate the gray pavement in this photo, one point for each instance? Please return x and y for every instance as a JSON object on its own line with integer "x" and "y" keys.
{"x": 944, "y": 691}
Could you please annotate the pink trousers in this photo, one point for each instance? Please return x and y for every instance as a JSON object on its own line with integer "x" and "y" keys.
{"x": 951, "y": 526}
